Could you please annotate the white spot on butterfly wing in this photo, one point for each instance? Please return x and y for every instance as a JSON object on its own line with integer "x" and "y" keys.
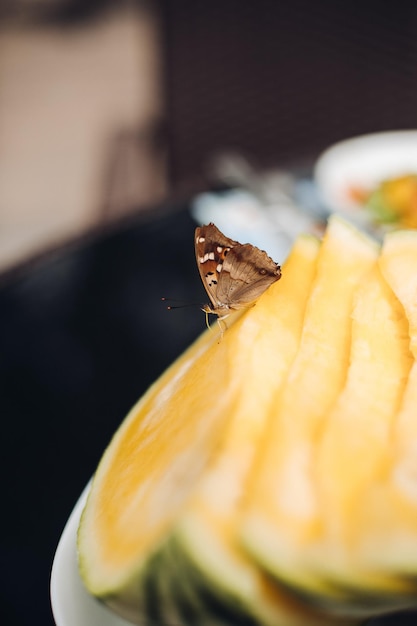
{"x": 209, "y": 256}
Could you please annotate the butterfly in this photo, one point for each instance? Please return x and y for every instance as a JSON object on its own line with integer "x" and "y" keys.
{"x": 233, "y": 274}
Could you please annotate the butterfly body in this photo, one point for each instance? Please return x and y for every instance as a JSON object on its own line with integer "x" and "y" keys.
{"x": 233, "y": 274}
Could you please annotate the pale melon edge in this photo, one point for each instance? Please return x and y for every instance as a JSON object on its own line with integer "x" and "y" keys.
{"x": 88, "y": 561}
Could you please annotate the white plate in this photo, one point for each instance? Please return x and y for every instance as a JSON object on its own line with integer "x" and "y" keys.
{"x": 71, "y": 603}
{"x": 363, "y": 162}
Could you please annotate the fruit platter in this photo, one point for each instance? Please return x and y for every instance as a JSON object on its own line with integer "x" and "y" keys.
{"x": 268, "y": 477}
{"x": 371, "y": 179}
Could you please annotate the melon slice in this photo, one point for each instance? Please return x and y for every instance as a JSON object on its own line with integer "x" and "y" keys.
{"x": 213, "y": 505}
{"x": 208, "y": 528}
{"x": 142, "y": 547}
{"x": 388, "y": 516}
{"x": 282, "y": 516}
{"x": 390, "y": 510}
{"x": 355, "y": 450}
{"x": 149, "y": 470}
{"x": 398, "y": 263}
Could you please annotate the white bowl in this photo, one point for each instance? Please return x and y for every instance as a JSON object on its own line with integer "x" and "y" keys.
{"x": 72, "y": 605}
{"x": 363, "y": 162}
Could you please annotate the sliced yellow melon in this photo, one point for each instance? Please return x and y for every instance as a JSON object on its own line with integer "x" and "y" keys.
{"x": 156, "y": 539}
{"x": 224, "y": 498}
{"x": 283, "y": 515}
{"x": 398, "y": 263}
{"x": 355, "y": 449}
{"x": 208, "y": 528}
{"x": 390, "y": 510}
{"x": 150, "y": 467}
{"x": 388, "y": 515}
{"x": 204, "y": 415}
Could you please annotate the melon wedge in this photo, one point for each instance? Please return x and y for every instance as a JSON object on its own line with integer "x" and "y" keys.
{"x": 388, "y": 516}
{"x": 206, "y": 535}
{"x": 354, "y": 452}
{"x": 282, "y": 515}
{"x": 390, "y": 510}
{"x": 224, "y": 497}
{"x": 398, "y": 263}
{"x": 159, "y": 517}
{"x": 149, "y": 470}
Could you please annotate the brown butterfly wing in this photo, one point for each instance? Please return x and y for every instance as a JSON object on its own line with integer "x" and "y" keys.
{"x": 246, "y": 273}
{"x": 211, "y": 246}
{"x": 212, "y": 236}
{"x": 233, "y": 274}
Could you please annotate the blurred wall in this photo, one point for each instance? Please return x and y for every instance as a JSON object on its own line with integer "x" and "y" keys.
{"x": 80, "y": 95}
{"x": 282, "y": 80}
{"x": 82, "y": 98}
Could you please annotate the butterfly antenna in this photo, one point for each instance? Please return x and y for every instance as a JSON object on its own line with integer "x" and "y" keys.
{"x": 181, "y": 305}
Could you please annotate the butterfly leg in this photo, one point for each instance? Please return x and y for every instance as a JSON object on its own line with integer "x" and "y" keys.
{"x": 222, "y": 325}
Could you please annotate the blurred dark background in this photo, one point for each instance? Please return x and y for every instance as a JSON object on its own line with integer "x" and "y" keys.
{"x": 281, "y": 81}
{"x": 83, "y": 331}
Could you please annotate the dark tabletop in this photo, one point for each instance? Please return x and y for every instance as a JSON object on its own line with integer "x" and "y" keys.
{"x": 83, "y": 332}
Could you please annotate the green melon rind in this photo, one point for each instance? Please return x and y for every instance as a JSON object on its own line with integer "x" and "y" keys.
{"x": 311, "y": 609}
{"x": 197, "y": 596}
{"x": 338, "y": 600}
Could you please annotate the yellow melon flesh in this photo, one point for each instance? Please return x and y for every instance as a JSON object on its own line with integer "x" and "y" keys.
{"x": 186, "y": 437}
{"x": 354, "y": 452}
{"x": 398, "y": 263}
{"x": 282, "y": 513}
{"x": 159, "y": 453}
{"x": 208, "y": 527}
{"x": 390, "y": 511}
{"x": 277, "y": 456}
{"x": 151, "y": 466}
